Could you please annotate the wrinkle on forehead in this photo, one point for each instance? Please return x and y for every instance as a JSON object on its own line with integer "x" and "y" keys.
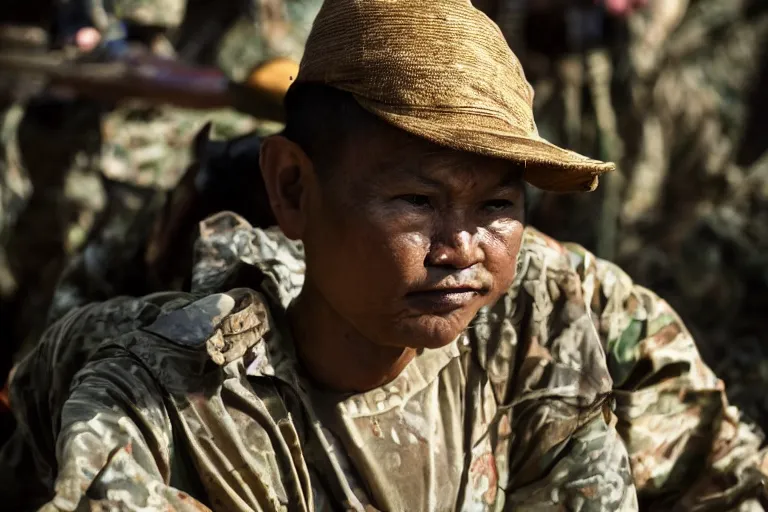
{"x": 395, "y": 156}
{"x": 454, "y": 171}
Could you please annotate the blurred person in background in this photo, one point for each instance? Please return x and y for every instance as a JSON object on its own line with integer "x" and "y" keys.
{"x": 673, "y": 91}
{"x": 88, "y": 178}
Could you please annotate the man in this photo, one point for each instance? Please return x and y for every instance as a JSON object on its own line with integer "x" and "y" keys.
{"x": 402, "y": 342}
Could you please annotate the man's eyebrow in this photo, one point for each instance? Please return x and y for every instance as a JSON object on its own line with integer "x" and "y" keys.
{"x": 426, "y": 180}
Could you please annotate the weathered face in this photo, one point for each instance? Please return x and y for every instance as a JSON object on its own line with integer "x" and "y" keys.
{"x": 406, "y": 241}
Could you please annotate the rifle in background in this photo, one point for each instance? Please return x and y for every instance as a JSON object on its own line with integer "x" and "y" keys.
{"x": 135, "y": 73}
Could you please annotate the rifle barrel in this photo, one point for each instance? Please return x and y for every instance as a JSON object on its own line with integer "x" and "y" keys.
{"x": 154, "y": 81}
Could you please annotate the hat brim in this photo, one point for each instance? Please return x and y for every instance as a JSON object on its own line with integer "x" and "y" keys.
{"x": 546, "y": 166}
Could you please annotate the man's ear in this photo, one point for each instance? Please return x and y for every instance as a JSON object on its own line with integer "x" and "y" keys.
{"x": 287, "y": 172}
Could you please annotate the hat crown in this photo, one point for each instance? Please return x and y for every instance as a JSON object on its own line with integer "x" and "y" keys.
{"x": 420, "y": 54}
{"x": 440, "y": 70}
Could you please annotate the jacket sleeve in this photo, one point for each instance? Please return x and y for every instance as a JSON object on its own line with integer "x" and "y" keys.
{"x": 591, "y": 473}
{"x": 114, "y": 448}
{"x": 687, "y": 446}
{"x": 41, "y": 383}
{"x": 557, "y": 443}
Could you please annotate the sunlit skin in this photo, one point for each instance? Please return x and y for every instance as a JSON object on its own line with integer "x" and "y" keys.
{"x": 405, "y": 242}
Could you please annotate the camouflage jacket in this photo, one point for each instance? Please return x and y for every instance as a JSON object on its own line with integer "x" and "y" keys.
{"x": 184, "y": 401}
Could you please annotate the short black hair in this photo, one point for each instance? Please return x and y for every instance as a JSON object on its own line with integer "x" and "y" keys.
{"x": 322, "y": 120}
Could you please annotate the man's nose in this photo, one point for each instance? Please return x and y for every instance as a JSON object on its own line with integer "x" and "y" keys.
{"x": 457, "y": 248}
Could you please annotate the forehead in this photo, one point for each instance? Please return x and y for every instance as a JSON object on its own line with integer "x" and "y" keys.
{"x": 392, "y": 156}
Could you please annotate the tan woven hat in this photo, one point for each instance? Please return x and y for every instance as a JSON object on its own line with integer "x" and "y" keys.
{"x": 441, "y": 70}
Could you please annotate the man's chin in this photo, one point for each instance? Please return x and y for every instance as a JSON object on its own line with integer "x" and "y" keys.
{"x": 434, "y": 331}
{"x": 434, "y": 344}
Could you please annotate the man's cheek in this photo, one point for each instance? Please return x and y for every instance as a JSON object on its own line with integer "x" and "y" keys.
{"x": 501, "y": 251}
{"x": 373, "y": 267}
{"x": 410, "y": 250}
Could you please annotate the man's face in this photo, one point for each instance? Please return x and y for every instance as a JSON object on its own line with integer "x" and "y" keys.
{"x": 406, "y": 241}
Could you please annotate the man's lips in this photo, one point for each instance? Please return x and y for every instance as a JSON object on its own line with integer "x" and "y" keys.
{"x": 443, "y": 300}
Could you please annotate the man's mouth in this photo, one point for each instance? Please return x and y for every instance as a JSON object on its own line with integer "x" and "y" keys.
{"x": 442, "y": 300}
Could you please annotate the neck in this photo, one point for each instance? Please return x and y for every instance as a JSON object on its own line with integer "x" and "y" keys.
{"x": 335, "y": 354}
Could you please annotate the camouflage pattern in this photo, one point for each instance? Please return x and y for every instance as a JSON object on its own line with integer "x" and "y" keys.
{"x": 15, "y": 187}
{"x": 81, "y": 204}
{"x": 104, "y": 15}
{"x": 15, "y": 190}
{"x": 703, "y": 161}
{"x": 65, "y": 198}
{"x": 193, "y": 400}
{"x": 275, "y": 28}
{"x": 234, "y": 36}
{"x": 686, "y": 214}
{"x": 152, "y": 13}
{"x": 152, "y": 146}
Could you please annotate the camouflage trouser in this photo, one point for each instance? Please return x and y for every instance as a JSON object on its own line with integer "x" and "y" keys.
{"x": 15, "y": 186}
{"x": 48, "y": 144}
{"x": 144, "y": 155}
{"x": 15, "y": 189}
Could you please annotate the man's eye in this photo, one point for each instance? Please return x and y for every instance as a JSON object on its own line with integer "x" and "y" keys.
{"x": 416, "y": 200}
{"x": 497, "y": 205}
